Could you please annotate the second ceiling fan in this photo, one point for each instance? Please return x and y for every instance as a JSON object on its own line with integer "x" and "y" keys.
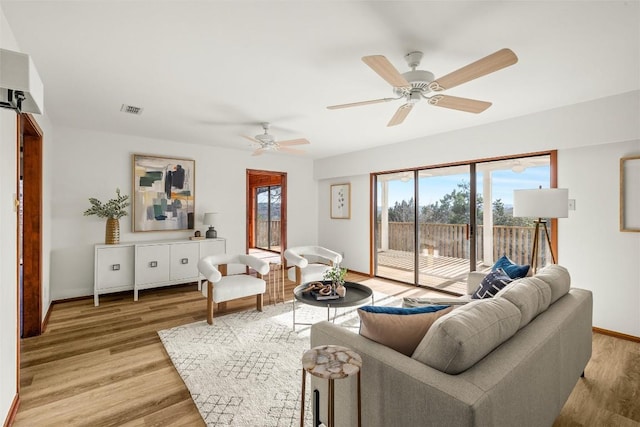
{"x": 415, "y": 85}
{"x": 267, "y": 142}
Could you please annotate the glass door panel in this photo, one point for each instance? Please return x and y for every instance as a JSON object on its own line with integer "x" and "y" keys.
{"x": 444, "y": 227}
{"x": 499, "y": 232}
{"x": 395, "y": 226}
{"x": 268, "y": 217}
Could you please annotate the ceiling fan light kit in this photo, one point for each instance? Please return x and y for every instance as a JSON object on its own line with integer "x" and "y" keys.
{"x": 416, "y": 85}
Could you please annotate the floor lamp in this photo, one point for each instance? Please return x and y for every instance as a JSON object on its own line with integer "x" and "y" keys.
{"x": 541, "y": 203}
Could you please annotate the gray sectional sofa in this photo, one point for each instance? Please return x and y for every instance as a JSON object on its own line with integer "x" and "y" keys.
{"x": 512, "y": 360}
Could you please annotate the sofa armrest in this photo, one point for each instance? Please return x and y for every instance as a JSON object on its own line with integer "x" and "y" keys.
{"x": 394, "y": 386}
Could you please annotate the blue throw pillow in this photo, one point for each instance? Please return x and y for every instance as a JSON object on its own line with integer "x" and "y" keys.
{"x": 491, "y": 284}
{"x": 512, "y": 269}
{"x": 399, "y": 328}
{"x": 402, "y": 310}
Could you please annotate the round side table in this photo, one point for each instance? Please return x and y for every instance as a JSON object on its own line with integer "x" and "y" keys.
{"x": 330, "y": 362}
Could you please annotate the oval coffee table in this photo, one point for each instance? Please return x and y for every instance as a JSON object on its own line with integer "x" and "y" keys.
{"x": 357, "y": 294}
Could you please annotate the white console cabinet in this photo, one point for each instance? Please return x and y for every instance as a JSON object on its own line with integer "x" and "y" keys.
{"x": 145, "y": 265}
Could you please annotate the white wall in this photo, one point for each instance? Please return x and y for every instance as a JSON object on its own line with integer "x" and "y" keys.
{"x": 8, "y": 261}
{"x": 350, "y": 237}
{"x": 94, "y": 164}
{"x": 8, "y": 227}
{"x": 599, "y": 256}
{"x": 601, "y": 123}
{"x": 8, "y": 256}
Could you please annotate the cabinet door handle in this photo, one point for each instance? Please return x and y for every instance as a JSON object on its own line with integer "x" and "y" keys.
{"x": 153, "y": 264}
{"x": 184, "y": 261}
{"x": 115, "y": 267}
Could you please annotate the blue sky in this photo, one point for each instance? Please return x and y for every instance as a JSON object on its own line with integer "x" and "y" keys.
{"x": 504, "y": 182}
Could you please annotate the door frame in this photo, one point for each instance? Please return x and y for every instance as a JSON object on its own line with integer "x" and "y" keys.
{"x": 30, "y": 142}
{"x": 262, "y": 178}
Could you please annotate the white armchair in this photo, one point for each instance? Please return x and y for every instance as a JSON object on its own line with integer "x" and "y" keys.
{"x": 214, "y": 269}
{"x": 308, "y": 263}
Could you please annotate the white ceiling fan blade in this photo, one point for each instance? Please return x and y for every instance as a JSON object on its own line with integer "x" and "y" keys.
{"x": 456, "y": 103}
{"x": 258, "y": 152}
{"x": 494, "y": 62}
{"x": 401, "y": 113}
{"x": 290, "y": 150}
{"x": 290, "y": 142}
{"x": 386, "y": 70}
{"x": 357, "y": 104}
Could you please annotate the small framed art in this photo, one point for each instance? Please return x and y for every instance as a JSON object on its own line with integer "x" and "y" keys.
{"x": 341, "y": 201}
{"x": 630, "y": 194}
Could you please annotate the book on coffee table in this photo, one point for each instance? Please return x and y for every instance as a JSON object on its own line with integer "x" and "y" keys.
{"x": 319, "y": 297}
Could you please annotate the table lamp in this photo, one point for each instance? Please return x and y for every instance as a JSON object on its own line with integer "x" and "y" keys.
{"x": 210, "y": 220}
{"x": 541, "y": 203}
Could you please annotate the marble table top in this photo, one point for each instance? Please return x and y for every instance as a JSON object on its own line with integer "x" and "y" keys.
{"x": 331, "y": 362}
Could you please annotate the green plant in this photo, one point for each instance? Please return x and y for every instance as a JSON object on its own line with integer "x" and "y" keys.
{"x": 114, "y": 208}
{"x": 336, "y": 274}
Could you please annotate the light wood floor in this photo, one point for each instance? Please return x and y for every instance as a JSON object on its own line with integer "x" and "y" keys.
{"x": 105, "y": 366}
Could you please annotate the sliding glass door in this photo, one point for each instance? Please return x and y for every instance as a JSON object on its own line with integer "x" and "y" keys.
{"x": 434, "y": 225}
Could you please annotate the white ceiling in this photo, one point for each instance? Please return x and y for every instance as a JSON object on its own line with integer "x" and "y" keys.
{"x": 207, "y": 72}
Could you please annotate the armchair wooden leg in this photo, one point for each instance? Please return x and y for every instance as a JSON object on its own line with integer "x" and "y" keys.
{"x": 259, "y": 302}
{"x": 298, "y": 276}
{"x": 209, "y": 302}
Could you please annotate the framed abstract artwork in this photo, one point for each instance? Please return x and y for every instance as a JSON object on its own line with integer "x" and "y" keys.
{"x": 341, "y": 201}
{"x": 163, "y": 193}
{"x": 630, "y": 194}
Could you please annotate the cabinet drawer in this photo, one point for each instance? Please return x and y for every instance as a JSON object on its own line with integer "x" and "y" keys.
{"x": 152, "y": 264}
{"x": 184, "y": 261}
{"x": 114, "y": 268}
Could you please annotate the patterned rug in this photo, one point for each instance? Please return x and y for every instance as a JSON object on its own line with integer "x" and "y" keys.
{"x": 245, "y": 369}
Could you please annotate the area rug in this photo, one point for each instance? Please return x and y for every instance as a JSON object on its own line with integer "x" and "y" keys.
{"x": 245, "y": 369}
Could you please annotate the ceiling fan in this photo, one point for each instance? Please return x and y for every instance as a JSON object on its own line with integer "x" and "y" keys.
{"x": 268, "y": 142}
{"x": 415, "y": 85}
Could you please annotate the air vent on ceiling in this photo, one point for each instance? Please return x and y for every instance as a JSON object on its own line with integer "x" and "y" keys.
{"x": 131, "y": 109}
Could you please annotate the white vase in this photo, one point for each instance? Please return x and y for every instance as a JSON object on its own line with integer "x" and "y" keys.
{"x": 341, "y": 290}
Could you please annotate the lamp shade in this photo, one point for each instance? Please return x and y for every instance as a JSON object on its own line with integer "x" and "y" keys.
{"x": 210, "y": 218}
{"x": 541, "y": 203}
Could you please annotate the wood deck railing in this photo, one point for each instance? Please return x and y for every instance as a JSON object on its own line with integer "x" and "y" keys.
{"x": 450, "y": 240}
{"x": 262, "y": 236}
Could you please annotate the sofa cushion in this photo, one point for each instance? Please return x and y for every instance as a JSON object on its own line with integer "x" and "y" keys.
{"x": 399, "y": 328}
{"x": 531, "y": 295}
{"x": 461, "y": 338}
{"x": 513, "y": 270}
{"x": 491, "y": 284}
{"x": 558, "y": 279}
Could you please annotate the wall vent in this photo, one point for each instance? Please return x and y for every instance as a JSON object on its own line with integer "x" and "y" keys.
{"x": 131, "y": 109}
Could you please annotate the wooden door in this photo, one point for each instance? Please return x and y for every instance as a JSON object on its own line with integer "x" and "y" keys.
{"x": 261, "y": 178}
{"x": 30, "y": 139}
